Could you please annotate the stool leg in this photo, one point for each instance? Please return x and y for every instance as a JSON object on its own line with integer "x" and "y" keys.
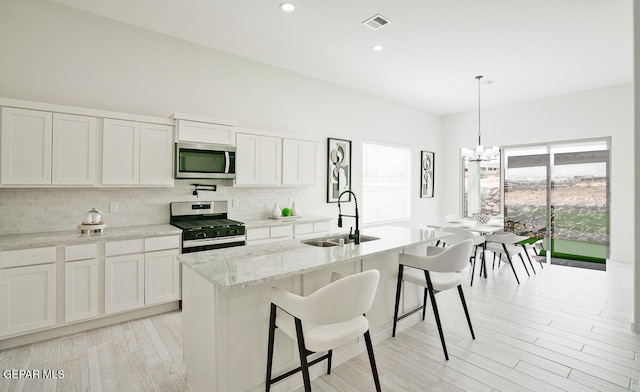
{"x": 272, "y": 333}
{"x": 304, "y": 366}
{"x": 372, "y": 360}
{"x": 466, "y": 311}
{"x": 424, "y": 304}
{"x": 329, "y": 358}
{"x": 398, "y": 289}
{"x": 436, "y": 314}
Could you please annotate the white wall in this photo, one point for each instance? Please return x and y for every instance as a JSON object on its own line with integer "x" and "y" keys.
{"x": 595, "y": 113}
{"x": 55, "y": 54}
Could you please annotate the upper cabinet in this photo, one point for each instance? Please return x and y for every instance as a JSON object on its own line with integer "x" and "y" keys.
{"x": 74, "y": 149}
{"x": 137, "y": 153}
{"x": 26, "y": 146}
{"x": 299, "y": 162}
{"x": 273, "y": 161}
{"x": 258, "y": 160}
{"x": 41, "y": 148}
{"x": 200, "y": 129}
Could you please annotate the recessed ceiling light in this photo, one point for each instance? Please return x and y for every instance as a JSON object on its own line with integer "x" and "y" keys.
{"x": 288, "y": 7}
{"x": 377, "y": 48}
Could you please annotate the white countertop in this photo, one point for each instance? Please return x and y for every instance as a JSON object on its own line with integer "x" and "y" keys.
{"x": 74, "y": 237}
{"x": 238, "y": 267}
{"x": 268, "y": 222}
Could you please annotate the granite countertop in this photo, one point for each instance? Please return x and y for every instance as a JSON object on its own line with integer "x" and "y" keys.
{"x": 268, "y": 222}
{"x": 238, "y": 267}
{"x": 74, "y": 237}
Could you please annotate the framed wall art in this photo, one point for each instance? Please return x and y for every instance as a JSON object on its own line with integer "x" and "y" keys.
{"x": 426, "y": 173}
{"x": 338, "y": 169}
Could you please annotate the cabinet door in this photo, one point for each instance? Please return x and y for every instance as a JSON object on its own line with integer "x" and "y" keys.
{"x": 156, "y": 154}
{"x": 269, "y": 160}
{"x": 27, "y": 298}
{"x": 123, "y": 283}
{"x": 299, "y": 162}
{"x": 74, "y": 150}
{"x": 26, "y": 147}
{"x": 161, "y": 277}
{"x": 121, "y": 152}
{"x": 80, "y": 290}
{"x": 247, "y": 159}
{"x": 200, "y": 132}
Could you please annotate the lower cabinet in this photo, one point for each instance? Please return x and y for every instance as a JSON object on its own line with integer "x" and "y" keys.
{"x": 27, "y": 298}
{"x": 123, "y": 283}
{"x": 80, "y": 290}
{"x": 161, "y": 277}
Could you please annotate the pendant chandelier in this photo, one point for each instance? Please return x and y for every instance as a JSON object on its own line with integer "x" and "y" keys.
{"x": 480, "y": 153}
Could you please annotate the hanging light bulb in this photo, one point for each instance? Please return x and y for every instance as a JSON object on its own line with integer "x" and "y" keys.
{"x": 480, "y": 153}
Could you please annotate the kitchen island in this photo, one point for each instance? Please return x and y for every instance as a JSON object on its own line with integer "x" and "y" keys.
{"x": 226, "y": 303}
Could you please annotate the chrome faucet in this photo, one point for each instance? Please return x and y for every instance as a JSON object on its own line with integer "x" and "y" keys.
{"x": 356, "y": 235}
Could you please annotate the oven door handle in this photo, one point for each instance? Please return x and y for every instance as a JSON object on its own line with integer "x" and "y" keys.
{"x": 227, "y": 162}
{"x": 212, "y": 241}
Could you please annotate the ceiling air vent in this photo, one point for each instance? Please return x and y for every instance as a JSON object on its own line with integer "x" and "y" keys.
{"x": 376, "y": 22}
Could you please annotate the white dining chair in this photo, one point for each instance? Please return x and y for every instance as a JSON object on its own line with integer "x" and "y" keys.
{"x": 326, "y": 319}
{"x": 438, "y": 271}
{"x": 505, "y": 243}
{"x": 458, "y": 235}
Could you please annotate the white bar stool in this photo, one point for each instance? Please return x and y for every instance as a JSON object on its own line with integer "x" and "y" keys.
{"x": 323, "y": 320}
{"x": 438, "y": 271}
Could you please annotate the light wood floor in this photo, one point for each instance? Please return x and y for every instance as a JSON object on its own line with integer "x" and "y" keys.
{"x": 564, "y": 329}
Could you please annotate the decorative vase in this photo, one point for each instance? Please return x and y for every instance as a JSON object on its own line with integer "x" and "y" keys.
{"x": 276, "y": 212}
{"x": 294, "y": 209}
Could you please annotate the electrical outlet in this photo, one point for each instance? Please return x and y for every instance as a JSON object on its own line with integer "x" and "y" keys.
{"x": 113, "y": 206}
{"x": 235, "y": 203}
{"x": 288, "y": 201}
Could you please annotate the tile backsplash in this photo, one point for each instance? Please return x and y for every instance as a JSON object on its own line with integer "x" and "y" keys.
{"x": 34, "y": 210}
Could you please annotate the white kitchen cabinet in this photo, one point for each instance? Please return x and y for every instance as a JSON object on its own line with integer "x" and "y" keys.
{"x": 80, "y": 290}
{"x": 74, "y": 149}
{"x": 161, "y": 277}
{"x": 26, "y": 147}
{"x": 27, "y": 298}
{"x": 202, "y": 132}
{"x": 137, "y": 153}
{"x": 156, "y": 154}
{"x": 121, "y": 152}
{"x": 299, "y": 159}
{"x": 80, "y": 282}
{"x": 258, "y": 160}
{"x": 123, "y": 283}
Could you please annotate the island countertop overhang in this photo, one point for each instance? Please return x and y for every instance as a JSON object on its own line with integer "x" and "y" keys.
{"x": 239, "y": 267}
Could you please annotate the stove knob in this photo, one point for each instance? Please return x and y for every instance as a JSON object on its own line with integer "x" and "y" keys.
{"x": 218, "y": 233}
{"x": 199, "y": 235}
{"x": 232, "y": 232}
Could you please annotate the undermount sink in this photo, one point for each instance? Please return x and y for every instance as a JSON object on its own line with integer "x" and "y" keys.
{"x": 334, "y": 240}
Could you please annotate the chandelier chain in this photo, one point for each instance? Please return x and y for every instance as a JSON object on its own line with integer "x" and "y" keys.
{"x": 479, "y": 132}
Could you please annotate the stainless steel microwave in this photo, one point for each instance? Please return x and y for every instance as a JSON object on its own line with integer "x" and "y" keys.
{"x": 202, "y": 160}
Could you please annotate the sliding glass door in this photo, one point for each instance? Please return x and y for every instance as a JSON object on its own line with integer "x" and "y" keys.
{"x": 560, "y": 193}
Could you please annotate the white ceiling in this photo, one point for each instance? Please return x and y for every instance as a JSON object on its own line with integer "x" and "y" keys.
{"x": 433, "y": 49}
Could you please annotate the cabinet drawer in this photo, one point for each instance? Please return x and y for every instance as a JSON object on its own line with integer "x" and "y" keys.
{"x": 80, "y": 252}
{"x": 320, "y": 227}
{"x": 281, "y": 231}
{"x": 303, "y": 228}
{"x": 257, "y": 234}
{"x": 123, "y": 247}
{"x": 161, "y": 243}
{"x": 22, "y": 257}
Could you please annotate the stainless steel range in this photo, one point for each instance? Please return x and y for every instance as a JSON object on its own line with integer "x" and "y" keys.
{"x": 205, "y": 226}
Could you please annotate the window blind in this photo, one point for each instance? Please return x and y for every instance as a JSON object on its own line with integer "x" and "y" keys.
{"x": 386, "y": 183}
